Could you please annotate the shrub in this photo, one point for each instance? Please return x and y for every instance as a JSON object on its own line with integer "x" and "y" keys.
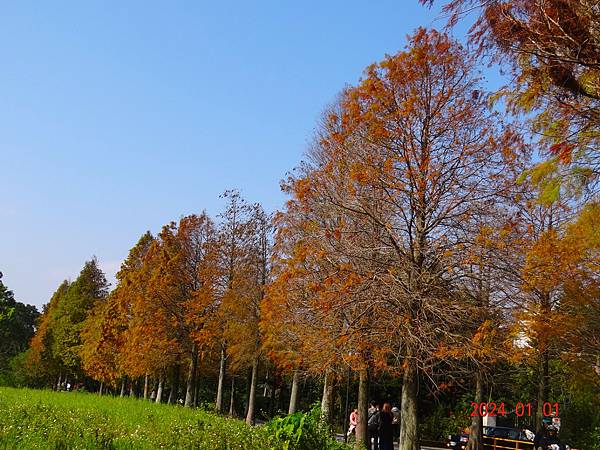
{"x": 303, "y": 431}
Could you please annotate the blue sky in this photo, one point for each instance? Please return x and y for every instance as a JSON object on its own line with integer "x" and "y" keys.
{"x": 117, "y": 117}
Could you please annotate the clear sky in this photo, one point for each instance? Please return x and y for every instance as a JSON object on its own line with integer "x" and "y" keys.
{"x": 117, "y": 117}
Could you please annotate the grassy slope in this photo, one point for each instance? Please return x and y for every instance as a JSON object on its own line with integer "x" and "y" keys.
{"x": 32, "y": 419}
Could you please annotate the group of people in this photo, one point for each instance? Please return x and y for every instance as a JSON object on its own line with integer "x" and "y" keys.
{"x": 547, "y": 437}
{"x": 383, "y": 421}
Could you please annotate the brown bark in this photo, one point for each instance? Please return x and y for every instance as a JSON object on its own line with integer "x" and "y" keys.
{"x": 542, "y": 395}
{"x": 174, "y": 386}
{"x": 476, "y": 432}
{"x": 196, "y": 388}
{"x": 272, "y": 390}
{"x": 543, "y": 369}
{"x": 327, "y": 399}
{"x": 146, "y": 379}
{"x": 266, "y": 384}
{"x": 362, "y": 434}
{"x": 409, "y": 438}
{"x": 191, "y": 377}
{"x": 277, "y": 400}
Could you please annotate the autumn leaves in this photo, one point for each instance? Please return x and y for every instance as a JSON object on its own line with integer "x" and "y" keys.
{"x": 409, "y": 246}
{"x": 375, "y": 246}
{"x": 193, "y": 290}
{"x": 408, "y": 243}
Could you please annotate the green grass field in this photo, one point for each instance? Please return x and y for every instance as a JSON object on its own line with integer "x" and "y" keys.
{"x": 35, "y": 419}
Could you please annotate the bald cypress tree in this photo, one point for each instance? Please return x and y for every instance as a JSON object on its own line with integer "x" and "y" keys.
{"x": 89, "y": 289}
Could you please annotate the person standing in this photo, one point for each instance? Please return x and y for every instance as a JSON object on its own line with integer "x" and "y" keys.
{"x": 386, "y": 428}
{"x": 353, "y": 421}
{"x": 547, "y": 437}
{"x": 373, "y": 426}
{"x": 396, "y": 421}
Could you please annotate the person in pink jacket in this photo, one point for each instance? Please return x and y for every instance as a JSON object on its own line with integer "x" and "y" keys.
{"x": 353, "y": 421}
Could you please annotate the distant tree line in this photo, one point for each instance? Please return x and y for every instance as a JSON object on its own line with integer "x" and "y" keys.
{"x": 17, "y": 327}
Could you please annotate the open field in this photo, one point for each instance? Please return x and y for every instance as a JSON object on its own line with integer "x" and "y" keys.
{"x": 32, "y": 419}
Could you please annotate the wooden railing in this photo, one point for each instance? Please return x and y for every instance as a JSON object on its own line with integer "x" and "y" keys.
{"x": 494, "y": 443}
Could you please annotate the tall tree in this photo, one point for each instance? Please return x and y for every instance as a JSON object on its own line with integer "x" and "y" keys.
{"x": 580, "y": 302}
{"x": 88, "y": 290}
{"x": 233, "y": 237}
{"x": 179, "y": 298}
{"x": 104, "y": 329}
{"x": 409, "y": 159}
{"x": 40, "y": 359}
{"x": 17, "y": 325}
{"x": 242, "y": 303}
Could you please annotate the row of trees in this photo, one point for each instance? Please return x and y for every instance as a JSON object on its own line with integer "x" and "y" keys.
{"x": 411, "y": 245}
{"x": 189, "y": 294}
{"x": 416, "y": 243}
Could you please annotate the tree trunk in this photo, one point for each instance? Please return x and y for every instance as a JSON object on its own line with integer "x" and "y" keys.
{"x": 101, "y": 391}
{"x": 59, "y": 381}
{"x": 191, "y": 377}
{"x": 146, "y": 387}
{"x": 327, "y": 399}
{"x": 409, "y": 438}
{"x": 266, "y": 383}
{"x": 277, "y": 399}
{"x": 248, "y": 384}
{"x": 476, "y": 433}
{"x": 219, "y": 402}
{"x": 252, "y": 396}
{"x": 362, "y": 434}
{"x": 273, "y": 395}
{"x": 294, "y": 394}
{"x": 173, "y": 394}
{"x": 159, "y": 391}
{"x": 131, "y": 389}
{"x": 542, "y": 390}
{"x": 232, "y": 398}
{"x": 123, "y": 387}
{"x": 196, "y": 388}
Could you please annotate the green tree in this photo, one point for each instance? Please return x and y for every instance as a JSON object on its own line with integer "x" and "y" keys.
{"x": 83, "y": 294}
{"x": 40, "y": 358}
{"x": 17, "y": 325}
